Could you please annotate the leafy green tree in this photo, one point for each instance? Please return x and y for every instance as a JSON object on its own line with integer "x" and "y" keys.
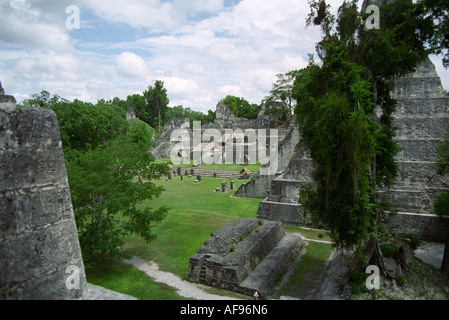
{"x": 42, "y": 100}
{"x": 137, "y": 102}
{"x": 280, "y": 104}
{"x": 140, "y": 133}
{"x": 85, "y": 126}
{"x": 241, "y": 107}
{"x": 156, "y": 107}
{"x": 106, "y": 197}
{"x": 337, "y": 128}
{"x": 181, "y": 112}
{"x": 439, "y": 41}
{"x": 338, "y": 101}
{"x": 104, "y": 155}
{"x": 209, "y": 117}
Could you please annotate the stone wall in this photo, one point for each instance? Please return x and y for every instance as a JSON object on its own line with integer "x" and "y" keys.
{"x": 245, "y": 256}
{"x": 225, "y": 119}
{"x": 260, "y": 183}
{"x": 38, "y": 240}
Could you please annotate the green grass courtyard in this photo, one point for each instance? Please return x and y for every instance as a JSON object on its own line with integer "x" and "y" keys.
{"x": 194, "y": 212}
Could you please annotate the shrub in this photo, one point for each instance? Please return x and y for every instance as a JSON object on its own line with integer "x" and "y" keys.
{"x": 415, "y": 241}
{"x": 401, "y": 280}
{"x": 387, "y": 249}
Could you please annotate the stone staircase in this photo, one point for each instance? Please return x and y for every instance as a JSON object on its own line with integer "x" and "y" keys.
{"x": 211, "y": 173}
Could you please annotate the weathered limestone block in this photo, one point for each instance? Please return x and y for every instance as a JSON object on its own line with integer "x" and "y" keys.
{"x": 38, "y": 238}
{"x": 177, "y": 124}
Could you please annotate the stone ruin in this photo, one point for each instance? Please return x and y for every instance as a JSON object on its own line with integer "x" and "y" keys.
{"x": 5, "y": 100}
{"x": 177, "y": 124}
{"x": 131, "y": 114}
{"x": 40, "y": 256}
{"x": 245, "y": 256}
{"x": 225, "y": 120}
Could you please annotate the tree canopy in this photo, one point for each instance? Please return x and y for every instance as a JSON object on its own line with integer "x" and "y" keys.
{"x": 181, "y": 112}
{"x": 241, "y": 107}
{"x": 439, "y": 41}
{"x": 345, "y": 110}
{"x": 154, "y": 111}
{"x": 280, "y": 105}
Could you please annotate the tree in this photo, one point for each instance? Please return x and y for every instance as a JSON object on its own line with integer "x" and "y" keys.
{"x": 42, "y": 100}
{"x": 439, "y": 41}
{"x": 241, "y": 107}
{"x": 337, "y": 103}
{"x": 209, "y": 117}
{"x": 85, "y": 126}
{"x": 137, "y": 102}
{"x": 104, "y": 154}
{"x": 280, "y": 104}
{"x": 106, "y": 198}
{"x": 157, "y": 101}
{"x": 181, "y": 112}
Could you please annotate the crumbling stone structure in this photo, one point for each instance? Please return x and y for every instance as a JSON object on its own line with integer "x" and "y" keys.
{"x": 225, "y": 119}
{"x": 5, "y": 100}
{"x": 260, "y": 182}
{"x": 131, "y": 114}
{"x": 40, "y": 256}
{"x": 245, "y": 256}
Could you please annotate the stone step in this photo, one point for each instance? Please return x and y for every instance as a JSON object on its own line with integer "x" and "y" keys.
{"x": 210, "y": 173}
{"x": 276, "y": 264}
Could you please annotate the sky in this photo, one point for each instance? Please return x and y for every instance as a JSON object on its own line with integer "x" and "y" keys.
{"x": 203, "y": 50}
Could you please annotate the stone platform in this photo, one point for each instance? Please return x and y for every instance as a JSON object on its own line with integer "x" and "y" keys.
{"x": 245, "y": 256}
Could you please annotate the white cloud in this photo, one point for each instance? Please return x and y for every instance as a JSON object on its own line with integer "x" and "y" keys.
{"x": 23, "y": 26}
{"x": 131, "y": 65}
{"x": 203, "y": 50}
{"x": 156, "y": 15}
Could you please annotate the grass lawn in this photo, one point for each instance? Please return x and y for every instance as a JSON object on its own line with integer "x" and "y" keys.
{"x": 307, "y": 272}
{"x": 130, "y": 281}
{"x": 194, "y": 212}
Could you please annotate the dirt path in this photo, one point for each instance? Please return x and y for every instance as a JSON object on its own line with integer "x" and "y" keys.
{"x": 184, "y": 288}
